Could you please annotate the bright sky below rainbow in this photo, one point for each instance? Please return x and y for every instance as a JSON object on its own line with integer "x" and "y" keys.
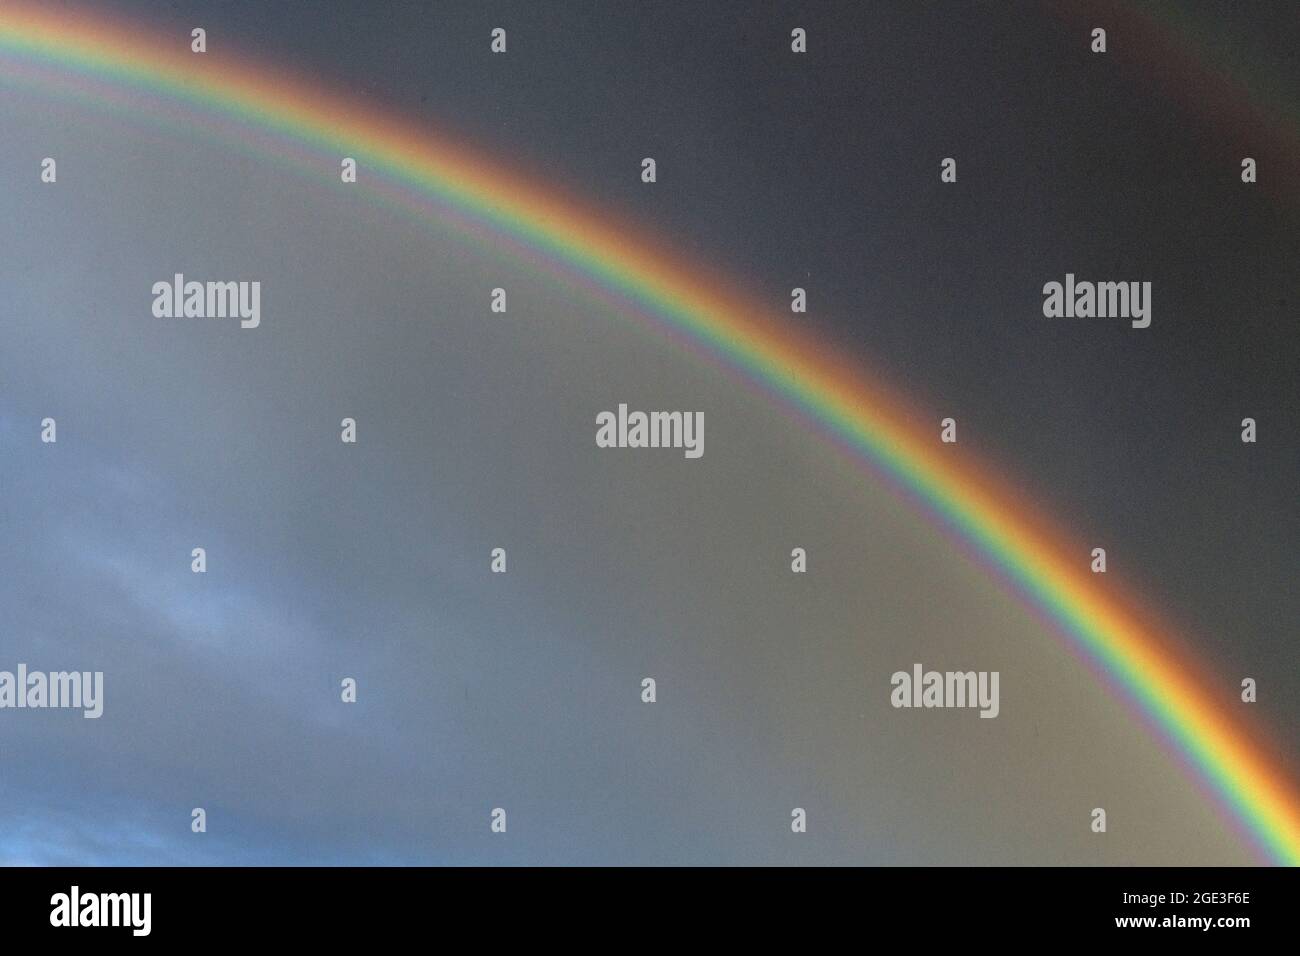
{"x": 121, "y": 65}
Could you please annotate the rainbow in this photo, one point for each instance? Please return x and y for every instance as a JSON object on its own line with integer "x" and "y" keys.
{"x": 155, "y": 77}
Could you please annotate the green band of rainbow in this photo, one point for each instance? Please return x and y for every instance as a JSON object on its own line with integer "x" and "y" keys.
{"x": 1129, "y": 646}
